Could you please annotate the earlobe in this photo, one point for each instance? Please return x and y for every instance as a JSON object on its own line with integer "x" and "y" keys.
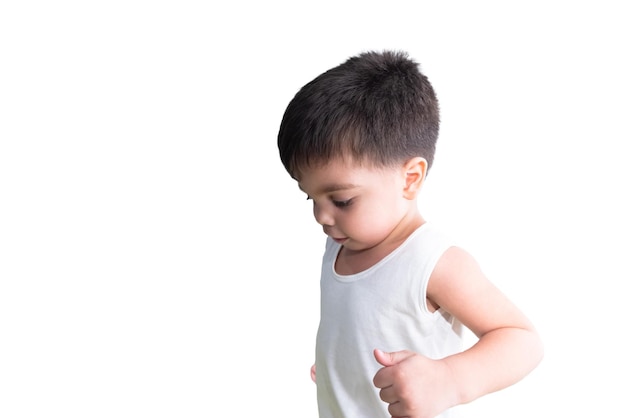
{"x": 414, "y": 173}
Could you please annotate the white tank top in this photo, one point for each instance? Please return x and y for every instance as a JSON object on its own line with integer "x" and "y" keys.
{"x": 382, "y": 307}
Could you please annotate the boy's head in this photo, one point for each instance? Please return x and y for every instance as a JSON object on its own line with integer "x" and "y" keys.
{"x": 376, "y": 108}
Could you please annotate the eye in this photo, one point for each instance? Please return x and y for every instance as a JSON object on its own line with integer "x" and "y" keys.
{"x": 342, "y": 203}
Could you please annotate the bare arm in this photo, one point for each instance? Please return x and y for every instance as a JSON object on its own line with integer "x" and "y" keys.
{"x": 508, "y": 346}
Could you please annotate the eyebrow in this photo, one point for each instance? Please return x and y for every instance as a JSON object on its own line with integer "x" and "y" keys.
{"x": 335, "y": 187}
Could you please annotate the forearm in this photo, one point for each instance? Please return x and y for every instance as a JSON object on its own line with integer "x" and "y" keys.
{"x": 499, "y": 359}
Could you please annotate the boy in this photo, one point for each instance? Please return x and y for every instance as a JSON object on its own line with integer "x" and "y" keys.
{"x": 359, "y": 140}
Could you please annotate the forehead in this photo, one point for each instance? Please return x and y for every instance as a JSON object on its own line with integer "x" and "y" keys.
{"x": 339, "y": 174}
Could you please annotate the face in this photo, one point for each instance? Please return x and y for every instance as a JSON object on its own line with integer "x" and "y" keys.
{"x": 358, "y": 206}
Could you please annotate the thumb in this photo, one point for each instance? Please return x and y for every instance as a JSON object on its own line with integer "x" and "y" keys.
{"x": 390, "y": 359}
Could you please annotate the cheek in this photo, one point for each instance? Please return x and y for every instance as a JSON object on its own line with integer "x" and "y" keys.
{"x": 387, "y": 213}
{"x": 375, "y": 220}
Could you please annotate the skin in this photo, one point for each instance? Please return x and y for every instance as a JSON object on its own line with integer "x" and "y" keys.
{"x": 371, "y": 211}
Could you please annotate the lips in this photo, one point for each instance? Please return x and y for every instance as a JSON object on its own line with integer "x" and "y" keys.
{"x": 336, "y": 239}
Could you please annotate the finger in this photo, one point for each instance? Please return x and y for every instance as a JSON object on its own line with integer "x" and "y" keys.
{"x": 391, "y": 359}
{"x": 388, "y": 395}
{"x": 397, "y": 410}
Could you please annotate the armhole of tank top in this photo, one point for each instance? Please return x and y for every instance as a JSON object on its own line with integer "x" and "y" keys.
{"x": 427, "y": 271}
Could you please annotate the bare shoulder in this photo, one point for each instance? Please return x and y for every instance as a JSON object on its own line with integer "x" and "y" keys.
{"x": 456, "y": 271}
{"x": 459, "y": 286}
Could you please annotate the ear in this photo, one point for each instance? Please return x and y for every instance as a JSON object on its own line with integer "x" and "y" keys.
{"x": 414, "y": 172}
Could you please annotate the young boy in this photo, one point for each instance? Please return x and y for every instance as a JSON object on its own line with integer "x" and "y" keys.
{"x": 359, "y": 140}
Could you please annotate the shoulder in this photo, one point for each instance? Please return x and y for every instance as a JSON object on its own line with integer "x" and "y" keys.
{"x": 456, "y": 271}
{"x": 459, "y": 286}
{"x": 456, "y": 261}
{"x": 430, "y": 238}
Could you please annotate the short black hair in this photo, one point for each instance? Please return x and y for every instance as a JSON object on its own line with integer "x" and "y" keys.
{"x": 376, "y": 107}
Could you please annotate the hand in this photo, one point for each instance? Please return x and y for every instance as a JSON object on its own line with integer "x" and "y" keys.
{"x": 414, "y": 386}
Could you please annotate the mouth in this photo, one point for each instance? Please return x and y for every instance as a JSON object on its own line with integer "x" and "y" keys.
{"x": 339, "y": 240}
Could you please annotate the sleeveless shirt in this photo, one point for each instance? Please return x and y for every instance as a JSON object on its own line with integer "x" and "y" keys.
{"x": 382, "y": 307}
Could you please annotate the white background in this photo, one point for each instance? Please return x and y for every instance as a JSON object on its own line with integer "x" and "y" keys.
{"x": 157, "y": 261}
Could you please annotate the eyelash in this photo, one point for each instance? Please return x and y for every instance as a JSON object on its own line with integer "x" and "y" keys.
{"x": 341, "y": 204}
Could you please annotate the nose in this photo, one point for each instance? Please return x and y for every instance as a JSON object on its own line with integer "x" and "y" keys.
{"x": 323, "y": 217}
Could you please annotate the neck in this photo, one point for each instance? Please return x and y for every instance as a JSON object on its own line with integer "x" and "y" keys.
{"x": 352, "y": 261}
